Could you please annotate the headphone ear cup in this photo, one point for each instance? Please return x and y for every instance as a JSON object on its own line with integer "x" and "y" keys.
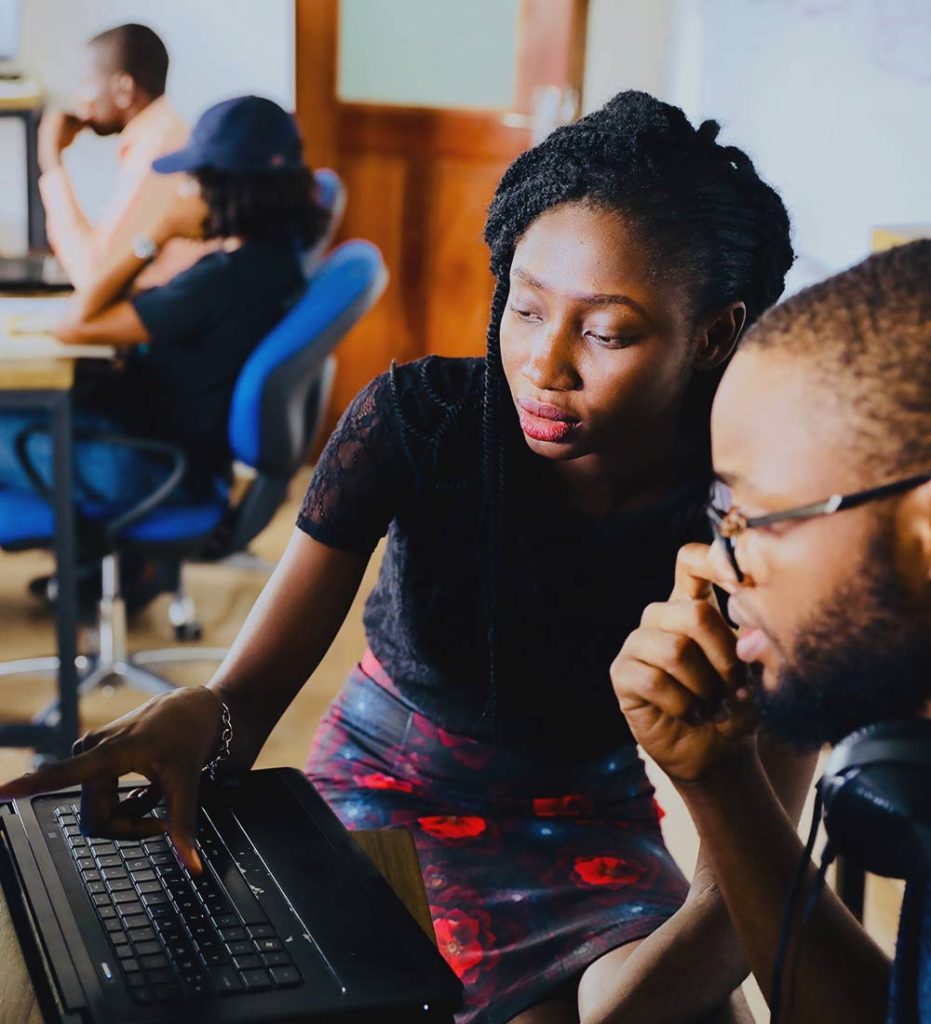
{"x": 877, "y": 798}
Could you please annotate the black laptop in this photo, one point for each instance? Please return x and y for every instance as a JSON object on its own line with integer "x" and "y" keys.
{"x": 33, "y": 272}
{"x": 289, "y": 921}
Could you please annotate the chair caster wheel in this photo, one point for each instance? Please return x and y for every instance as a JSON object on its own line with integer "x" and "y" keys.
{"x": 188, "y": 632}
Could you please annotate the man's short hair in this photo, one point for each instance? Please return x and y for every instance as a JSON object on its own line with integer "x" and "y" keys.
{"x": 138, "y": 51}
{"x": 865, "y": 335}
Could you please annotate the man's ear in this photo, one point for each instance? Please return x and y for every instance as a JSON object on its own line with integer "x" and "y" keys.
{"x": 123, "y": 90}
{"x": 915, "y": 519}
{"x": 719, "y": 334}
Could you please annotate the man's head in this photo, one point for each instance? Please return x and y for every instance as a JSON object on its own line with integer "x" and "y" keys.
{"x": 125, "y": 70}
{"x": 830, "y": 393}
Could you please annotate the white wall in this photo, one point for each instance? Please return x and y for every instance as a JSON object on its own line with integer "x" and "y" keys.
{"x": 218, "y": 48}
{"x": 627, "y": 48}
{"x": 831, "y": 98}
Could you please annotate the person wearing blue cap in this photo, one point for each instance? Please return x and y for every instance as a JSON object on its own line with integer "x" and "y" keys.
{"x": 248, "y": 189}
{"x": 184, "y": 343}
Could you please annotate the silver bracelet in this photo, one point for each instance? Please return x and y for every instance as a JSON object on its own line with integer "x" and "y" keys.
{"x": 223, "y": 747}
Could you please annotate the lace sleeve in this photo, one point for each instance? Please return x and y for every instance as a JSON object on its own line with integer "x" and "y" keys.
{"x": 360, "y": 476}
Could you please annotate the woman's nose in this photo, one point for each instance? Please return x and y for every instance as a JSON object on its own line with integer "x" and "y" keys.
{"x": 549, "y": 365}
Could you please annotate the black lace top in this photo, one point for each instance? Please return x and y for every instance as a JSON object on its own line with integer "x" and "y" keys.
{"x": 406, "y": 459}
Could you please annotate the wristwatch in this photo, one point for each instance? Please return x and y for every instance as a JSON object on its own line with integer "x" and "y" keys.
{"x": 144, "y": 248}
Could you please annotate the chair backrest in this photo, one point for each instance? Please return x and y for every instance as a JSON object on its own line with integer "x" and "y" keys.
{"x": 331, "y": 194}
{"x": 275, "y": 400}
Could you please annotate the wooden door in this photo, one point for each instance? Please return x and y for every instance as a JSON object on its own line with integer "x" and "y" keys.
{"x": 420, "y": 178}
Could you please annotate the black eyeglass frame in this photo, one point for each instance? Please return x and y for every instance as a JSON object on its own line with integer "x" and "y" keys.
{"x": 729, "y": 525}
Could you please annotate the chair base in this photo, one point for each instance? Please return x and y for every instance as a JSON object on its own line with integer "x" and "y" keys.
{"x": 113, "y": 665}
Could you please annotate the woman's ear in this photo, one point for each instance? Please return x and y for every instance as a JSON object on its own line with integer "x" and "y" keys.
{"x": 718, "y": 336}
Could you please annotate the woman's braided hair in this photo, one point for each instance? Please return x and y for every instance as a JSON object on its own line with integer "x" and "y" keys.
{"x": 693, "y": 204}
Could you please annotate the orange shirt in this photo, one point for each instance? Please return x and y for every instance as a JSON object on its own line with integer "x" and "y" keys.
{"x": 139, "y": 198}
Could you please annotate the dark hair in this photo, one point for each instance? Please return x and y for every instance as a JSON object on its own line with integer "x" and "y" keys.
{"x": 871, "y": 329}
{"x": 697, "y": 205}
{"x": 138, "y": 51}
{"x": 277, "y": 206}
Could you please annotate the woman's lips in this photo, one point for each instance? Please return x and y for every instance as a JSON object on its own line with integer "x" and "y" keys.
{"x": 543, "y": 422}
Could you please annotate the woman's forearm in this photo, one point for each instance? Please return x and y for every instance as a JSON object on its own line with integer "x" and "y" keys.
{"x": 284, "y": 638}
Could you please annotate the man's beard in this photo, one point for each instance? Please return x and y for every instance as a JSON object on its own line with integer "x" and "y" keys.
{"x": 865, "y": 657}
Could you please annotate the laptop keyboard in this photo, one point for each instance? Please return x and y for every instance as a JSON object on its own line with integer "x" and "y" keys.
{"x": 172, "y": 934}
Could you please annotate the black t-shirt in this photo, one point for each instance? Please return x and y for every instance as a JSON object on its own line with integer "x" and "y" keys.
{"x": 203, "y": 325}
{"x": 406, "y": 459}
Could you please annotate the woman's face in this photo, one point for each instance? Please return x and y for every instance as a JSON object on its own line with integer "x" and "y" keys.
{"x": 597, "y": 347}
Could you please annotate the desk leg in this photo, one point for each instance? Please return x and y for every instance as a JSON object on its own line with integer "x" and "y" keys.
{"x": 66, "y": 602}
{"x": 35, "y": 211}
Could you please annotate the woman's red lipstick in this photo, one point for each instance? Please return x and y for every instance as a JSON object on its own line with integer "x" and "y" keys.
{"x": 542, "y": 422}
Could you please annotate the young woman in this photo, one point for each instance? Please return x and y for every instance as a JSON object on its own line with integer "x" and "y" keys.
{"x": 534, "y": 503}
{"x": 183, "y": 344}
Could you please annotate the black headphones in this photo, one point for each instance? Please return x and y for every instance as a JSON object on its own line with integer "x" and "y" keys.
{"x": 876, "y": 792}
{"x": 875, "y": 796}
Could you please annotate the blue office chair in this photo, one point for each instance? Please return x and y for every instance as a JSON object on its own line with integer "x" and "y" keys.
{"x": 275, "y": 418}
{"x": 331, "y": 194}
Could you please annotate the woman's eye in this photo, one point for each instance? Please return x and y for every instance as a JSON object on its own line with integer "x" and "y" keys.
{"x": 612, "y": 340}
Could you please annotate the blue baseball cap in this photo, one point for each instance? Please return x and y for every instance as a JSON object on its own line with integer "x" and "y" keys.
{"x": 245, "y": 135}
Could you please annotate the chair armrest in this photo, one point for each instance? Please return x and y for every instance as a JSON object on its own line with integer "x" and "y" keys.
{"x": 175, "y": 456}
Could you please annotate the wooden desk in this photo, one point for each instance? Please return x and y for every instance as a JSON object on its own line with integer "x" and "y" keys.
{"x": 46, "y": 384}
{"x": 392, "y": 852}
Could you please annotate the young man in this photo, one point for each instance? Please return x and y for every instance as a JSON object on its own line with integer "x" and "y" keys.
{"x": 829, "y": 394}
{"x": 121, "y": 92}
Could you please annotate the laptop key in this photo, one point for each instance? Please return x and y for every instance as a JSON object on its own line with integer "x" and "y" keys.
{"x": 240, "y": 948}
{"x": 246, "y": 963}
{"x": 110, "y": 861}
{"x": 111, "y": 874}
{"x": 225, "y": 980}
{"x": 94, "y": 888}
{"x": 262, "y": 931}
{"x": 227, "y": 921}
{"x": 284, "y": 976}
{"x": 162, "y": 992}
{"x": 124, "y": 952}
{"x": 268, "y": 945}
{"x": 143, "y": 876}
{"x": 141, "y": 934}
{"x": 233, "y": 934}
{"x": 256, "y": 980}
{"x": 136, "y": 978}
{"x": 130, "y": 965}
{"x": 136, "y": 921}
{"x": 118, "y": 938}
{"x": 106, "y": 911}
{"x": 113, "y": 924}
{"x": 153, "y": 962}
{"x": 148, "y": 948}
{"x": 160, "y": 976}
{"x": 130, "y": 908}
{"x": 101, "y": 900}
{"x": 215, "y": 959}
{"x": 136, "y": 864}
{"x": 153, "y": 899}
{"x": 120, "y": 885}
{"x": 148, "y": 888}
{"x": 276, "y": 959}
{"x": 125, "y": 897}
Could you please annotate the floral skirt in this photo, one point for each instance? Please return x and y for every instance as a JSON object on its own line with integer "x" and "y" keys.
{"x": 531, "y": 872}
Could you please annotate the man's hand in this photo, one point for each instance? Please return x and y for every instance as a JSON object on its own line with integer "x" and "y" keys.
{"x": 57, "y": 130}
{"x": 678, "y": 679}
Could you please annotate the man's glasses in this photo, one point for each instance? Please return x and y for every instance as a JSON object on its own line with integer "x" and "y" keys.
{"x": 728, "y": 523}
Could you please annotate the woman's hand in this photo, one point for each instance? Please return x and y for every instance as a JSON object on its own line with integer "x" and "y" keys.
{"x": 168, "y": 740}
{"x": 678, "y": 679}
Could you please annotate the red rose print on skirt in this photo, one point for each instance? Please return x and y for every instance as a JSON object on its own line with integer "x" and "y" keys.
{"x": 562, "y": 806}
{"x": 465, "y": 941}
{"x": 378, "y": 780}
{"x": 452, "y": 827}
{"x": 612, "y": 872}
